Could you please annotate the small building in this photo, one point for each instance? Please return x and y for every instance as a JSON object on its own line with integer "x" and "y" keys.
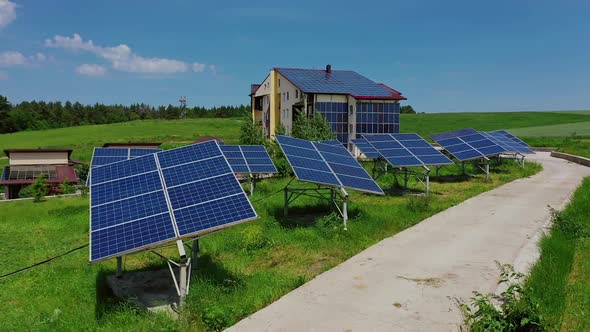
{"x": 135, "y": 145}
{"x": 352, "y": 104}
{"x": 26, "y": 165}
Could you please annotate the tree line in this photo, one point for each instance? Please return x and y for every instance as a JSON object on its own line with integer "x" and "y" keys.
{"x": 38, "y": 115}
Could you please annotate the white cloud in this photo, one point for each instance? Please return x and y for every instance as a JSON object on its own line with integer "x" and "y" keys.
{"x": 199, "y": 67}
{"x": 91, "y": 70}
{"x": 122, "y": 57}
{"x": 40, "y": 57}
{"x": 12, "y": 58}
{"x": 7, "y": 12}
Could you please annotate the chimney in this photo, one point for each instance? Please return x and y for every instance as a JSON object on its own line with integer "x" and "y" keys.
{"x": 328, "y": 68}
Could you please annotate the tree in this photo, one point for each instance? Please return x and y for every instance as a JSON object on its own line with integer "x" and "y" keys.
{"x": 314, "y": 128}
{"x": 5, "y": 108}
{"x": 251, "y": 133}
{"x": 407, "y": 109}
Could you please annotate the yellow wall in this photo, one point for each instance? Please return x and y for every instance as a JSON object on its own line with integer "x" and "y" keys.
{"x": 274, "y": 102}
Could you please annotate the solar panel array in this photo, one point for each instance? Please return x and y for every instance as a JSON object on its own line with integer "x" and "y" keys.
{"x": 331, "y": 142}
{"x": 248, "y": 159}
{"x": 367, "y": 149}
{"x": 147, "y": 201}
{"x": 507, "y": 143}
{"x": 467, "y": 144}
{"x": 326, "y": 164}
{"x": 105, "y": 156}
{"x": 406, "y": 150}
{"x": 513, "y": 138}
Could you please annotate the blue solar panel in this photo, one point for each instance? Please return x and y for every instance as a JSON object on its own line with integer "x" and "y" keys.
{"x": 507, "y": 142}
{"x": 406, "y": 150}
{"x": 466, "y": 144}
{"x": 326, "y": 164}
{"x": 331, "y": 142}
{"x": 143, "y": 202}
{"x": 454, "y": 133}
{"x": 105, "y": 156}
{"x": 336, "y": 82}
{"x": 512, "y": 137}
{"x": 248, "y": 159}
{"x": 366, "y": 148}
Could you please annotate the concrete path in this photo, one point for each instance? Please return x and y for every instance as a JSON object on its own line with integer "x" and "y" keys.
{"x": 408, "y": 282}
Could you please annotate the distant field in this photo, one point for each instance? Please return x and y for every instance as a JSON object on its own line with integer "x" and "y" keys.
{"x": 575, "y": 112}
{"x": 426, "y": 124}
{"x": 561, "y": 130}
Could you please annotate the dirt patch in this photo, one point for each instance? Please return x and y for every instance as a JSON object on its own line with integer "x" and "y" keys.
{"x": 431, "y": 282}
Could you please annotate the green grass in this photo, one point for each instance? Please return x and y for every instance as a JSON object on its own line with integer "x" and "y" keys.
{"x": 560, "y": 280}
{"x": 241, "y": 270}
{"x": 83, "y": 138}
{"x": 426, "y": 124}
{"x": 557, "y": 130}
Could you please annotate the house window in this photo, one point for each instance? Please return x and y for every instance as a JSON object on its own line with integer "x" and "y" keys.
{"x": 279, "y": 82}
{"x": 296, "y": 94}
{"x": 287, "y": 95}
{"x": 351, "y": 108}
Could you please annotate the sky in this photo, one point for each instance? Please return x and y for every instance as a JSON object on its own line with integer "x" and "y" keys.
{"x": 444, "y": 56}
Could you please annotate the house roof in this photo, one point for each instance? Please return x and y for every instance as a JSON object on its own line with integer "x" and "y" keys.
{"x": 9, "y": 151}
{"x": 138, "y": 144}
{"x": 253, "y": 88}
{"x": 345, "y": 82}
{"x": 28, "y": 175}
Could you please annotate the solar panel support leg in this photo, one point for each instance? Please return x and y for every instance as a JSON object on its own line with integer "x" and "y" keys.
{"x": 251, "y": 185}
{"x": 119, "y": 267}
{"x": 344, "y": 208}
{"x": 427, "y": 183}
{"x": 183, "y": 282}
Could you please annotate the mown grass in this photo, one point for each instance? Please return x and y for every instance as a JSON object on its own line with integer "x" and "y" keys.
{"x": 560, "y": 280}
{"x": 241, "y": 269}
{"x": 426, "y": 124}
{"x": 556, "y": 130}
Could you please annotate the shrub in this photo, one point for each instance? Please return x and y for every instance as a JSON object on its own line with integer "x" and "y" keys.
{"x": 313, "y": 128}
{"x": 517, "y": 311}
{"x": 418, "y": 203}
{"x": 39, "y": 188}
{"x": 66, "y": 188}
{"x": 215, "y": 317}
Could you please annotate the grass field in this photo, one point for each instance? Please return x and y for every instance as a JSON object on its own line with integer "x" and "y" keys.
{"x": 560, "y": 280}
{"x": 241, "y": 270}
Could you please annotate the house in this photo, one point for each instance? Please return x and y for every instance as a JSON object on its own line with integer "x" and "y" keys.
{"x": 351, "y": 103}
{"x": 26, "y": 165}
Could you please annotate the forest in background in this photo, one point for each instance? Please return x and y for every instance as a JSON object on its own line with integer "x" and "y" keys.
{"x": 38, "y": 115}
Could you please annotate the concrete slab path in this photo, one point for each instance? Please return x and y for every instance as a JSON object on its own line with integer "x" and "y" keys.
{"x": 408, "y": 282}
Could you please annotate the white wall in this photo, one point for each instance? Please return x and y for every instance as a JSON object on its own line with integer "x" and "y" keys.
{"x": 288, "y": 91}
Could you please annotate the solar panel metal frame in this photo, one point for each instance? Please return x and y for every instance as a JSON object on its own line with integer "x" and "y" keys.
{"x": 402, "y": 142}
{"x": 247, "y": 160}
{"x": 459, "y": 135}
{"x": 326, "y": 163}
{"x": 170, "y": 210}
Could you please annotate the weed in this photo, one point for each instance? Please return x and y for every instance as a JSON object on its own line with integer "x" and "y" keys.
{"x": 418, "y": 203}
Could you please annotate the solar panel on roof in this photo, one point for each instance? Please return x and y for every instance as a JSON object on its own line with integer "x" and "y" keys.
{"x": 367, "y": 149}
{"x": 326, "y": 164}
{"x": 466, "y": 144}
{"x": 406, "y": 150}
{"x": 144, "y": 202}
{"x": 248, "y": 159}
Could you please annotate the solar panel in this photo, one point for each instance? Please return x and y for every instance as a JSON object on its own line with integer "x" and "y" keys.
{"x": 367, "y": 149}
{"x": 406, "y": 150}
{"x": 248, "y": 159}
{"x": 467, "y": 144}
{"x": 512, "y": 137}
{"x": 331, "y": 142}
{"x": 326, "y": 164}
{"x": 149, "y": 200}
{"x": 508, "y": 144}
{"x": 105, "y": 156}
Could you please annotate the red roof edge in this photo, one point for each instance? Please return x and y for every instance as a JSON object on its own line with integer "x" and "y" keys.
{"x": 396, "y": 94}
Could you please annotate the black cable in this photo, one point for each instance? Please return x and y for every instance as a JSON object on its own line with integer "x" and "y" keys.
{"x": 265, "y": 197}
{"x": 43, "y": 262}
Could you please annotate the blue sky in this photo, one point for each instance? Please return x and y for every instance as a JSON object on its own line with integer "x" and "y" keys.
{"x": 445, "y": 56}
